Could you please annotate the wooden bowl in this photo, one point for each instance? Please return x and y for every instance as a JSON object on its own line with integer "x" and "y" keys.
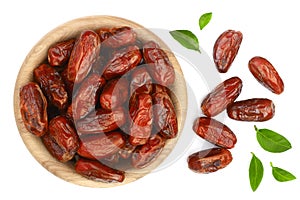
{"x": 38, "y": 54}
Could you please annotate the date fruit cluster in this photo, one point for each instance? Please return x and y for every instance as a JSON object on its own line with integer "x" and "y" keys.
{"x": 101, "y": 101}
{"x": 223, "y": 97}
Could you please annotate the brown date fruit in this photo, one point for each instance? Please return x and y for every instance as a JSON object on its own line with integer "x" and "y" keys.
{"x": 87, "y": 96}
{"x": 84, "y": 54}
{"x": 117, "y": 37}
{"x": 114, "y": 93}
{"x": 63, "y": 133}
{"x": 214, "y": 132}
{"x": 156, "y": 88}
{"x": 52, "y": 85}
{"x": 256, "y": 109}
{"x": 141, "y": 81}
{"x": 210, "y": 160}
{"x": 101, "y": 121}
{"x": 96, "y": 171}
{"x": 265, "y": 73}
{"x": 54, "y": 149}
{"x": 146, "y": 154}
{"x": 221, "y": 96}
{"x": 140, "y": 110}
{"x": 126, "y": 151}
{"x": 60, "y": 53}
{"x": 101, "y": 145}
{"x": 69, "y": 85}
{"x": 160, "y": 69}
{"x": 226, "y": 48}
{"x": 33, "y": 109}
{"x": 123, "y": 60}
{"x": 164, "y": 114}
{"x": 111, "y": 160}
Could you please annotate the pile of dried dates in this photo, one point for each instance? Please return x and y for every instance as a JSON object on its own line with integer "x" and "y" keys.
{"x": 101, "y": 102}
{"x": 223, "y": 97}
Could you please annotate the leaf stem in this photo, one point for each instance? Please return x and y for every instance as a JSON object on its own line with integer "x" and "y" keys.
{"x": 271, "y": 164}
{"x": 256, "y": 129}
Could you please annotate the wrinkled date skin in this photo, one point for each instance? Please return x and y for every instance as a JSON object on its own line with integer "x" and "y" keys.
{"x": 256, "y": 109}
{"x": 52, "y": 85}
{"x": 141, "y": 114}
{"x": 54, "y": 149}
{"x": 101, "y": 121}
{"x": 69, "y": 85}
{"x": 59, "y": 54}
{"x": 209, "y": 160}
{"x": 145, "y": 154}
{"x": 160, "y": 68}
{"x": 95, "y": 170}
{"x": 164, "y": 114}
{"x": 101, "y": 145}
{"x": 126, "y": 151}
{"x": 117, "y": 37}
{"x": 141, "y": 81}
{"x": 33, "y": 108}
{"x": 87, "y": 96}
{"x": 114, "y": 94}
{"x": 84, "y": 54}
{"x": 226, "y": 48}
{"x": 214, "y": 132}
{"x": 221, "y": 96}
{"x": 64, "y": 135}
{"x": 265, "y": 73}
{"x": 122, "y": 61}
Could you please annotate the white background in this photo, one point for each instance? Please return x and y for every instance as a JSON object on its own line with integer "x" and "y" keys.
{"x": 270, "y": 29}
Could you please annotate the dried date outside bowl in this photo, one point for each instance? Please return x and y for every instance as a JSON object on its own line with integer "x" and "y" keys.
{"x": 38, "y": 55}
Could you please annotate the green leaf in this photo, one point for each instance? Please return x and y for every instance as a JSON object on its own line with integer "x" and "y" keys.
{"x": 256, "y": 172}
{"x": 204, "y": 20}
{"x": 186, "y": 38}
{"x": 272, "y": 141}
{"x": 282, "y": 175}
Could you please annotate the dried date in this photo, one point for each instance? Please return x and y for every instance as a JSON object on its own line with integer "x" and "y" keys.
{"x": 126, "y": 151}
{"x": 265, "y": 73}
{"x": 226, "y": 48}
{"x": 84, "y": 54}
{"x": 160, "y": 67}
{"x": 101, "y": 145}
{"x": 33, "y": 109}
{"x": 96, "y": 171}
{"x": 215, "y": 132}
{"x": 54, "y": 149}
{"x": 164, "y": 114}
{"x": 114, "y": 93}
{"x": 140, "y": 110}
{"x": 210, "y": 160}
{"x": 141, "y": 81}
{"x": 87, "y": 96}
{"x": 256, "y": 109}
{"x": 60, "y": 53}
{"x": 221, "y": 96}
{"x": 52, "y": 85}
{"x": 123, "y": 60}
{"x": 145, "y": 154}
{"x": 101, "y": 121}
{"x": 117, "y": 37}
{"x": 63, "y": 133}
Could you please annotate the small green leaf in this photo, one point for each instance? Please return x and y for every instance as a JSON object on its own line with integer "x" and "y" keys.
{"x": 272, "y": 141}
{"x": 281, "y": 175}
{"x": 186, "y": 38}
{"x": 204, "y": 20}
{"x": 256, "y": 172}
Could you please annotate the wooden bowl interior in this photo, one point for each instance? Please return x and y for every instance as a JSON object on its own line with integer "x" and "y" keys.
{"x": 39, "y": 53}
